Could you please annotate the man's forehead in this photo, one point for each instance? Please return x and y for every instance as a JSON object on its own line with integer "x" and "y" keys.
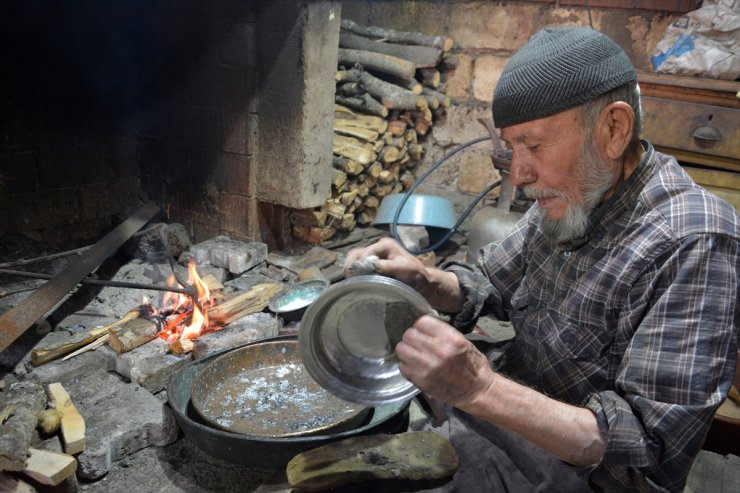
{"x": 541, "y": 128}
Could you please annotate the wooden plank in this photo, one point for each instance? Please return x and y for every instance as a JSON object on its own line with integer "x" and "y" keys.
{"x": 50, "y": 468}
{"x": 73, "y": 425}
{"x": 22, "y": 316}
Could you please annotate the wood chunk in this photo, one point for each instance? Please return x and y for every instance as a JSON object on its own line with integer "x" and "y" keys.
{"x": 44, "y": 354}
{"x": 380, "y": 62}
{"x": 444, "y": 43}
{"x": 366, "y": 134}
{"x": 73, "y": 425}
{"x": 422, "y": 56}
{"x": 252, "y": 301}
{"x": 421, "y": 455}
{"x": 50, "y": 468}
{"x": 132, "y": 334}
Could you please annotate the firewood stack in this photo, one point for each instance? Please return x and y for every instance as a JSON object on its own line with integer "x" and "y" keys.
{"x": 389, "y": 91}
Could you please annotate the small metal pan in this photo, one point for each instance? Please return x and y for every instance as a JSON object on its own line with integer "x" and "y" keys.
{"x": 264, "y": 390}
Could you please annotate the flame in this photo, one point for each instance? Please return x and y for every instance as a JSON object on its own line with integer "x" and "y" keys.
{"x": 185, "y": 319}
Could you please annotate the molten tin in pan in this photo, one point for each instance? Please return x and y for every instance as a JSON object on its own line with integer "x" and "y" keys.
{"x": 263, "y": 389}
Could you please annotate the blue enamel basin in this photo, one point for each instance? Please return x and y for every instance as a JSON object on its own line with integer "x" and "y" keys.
{"x": 420, "y": 210}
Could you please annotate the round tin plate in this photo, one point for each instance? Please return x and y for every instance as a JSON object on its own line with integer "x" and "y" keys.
{"x": 348, "y": 336}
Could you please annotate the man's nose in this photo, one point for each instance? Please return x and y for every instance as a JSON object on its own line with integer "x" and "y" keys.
{"x": 521, "y": 172}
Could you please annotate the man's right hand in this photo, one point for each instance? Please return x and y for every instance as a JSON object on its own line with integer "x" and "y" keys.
{"x": 438, "y": 287}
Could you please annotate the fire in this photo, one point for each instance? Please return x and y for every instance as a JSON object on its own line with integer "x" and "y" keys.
{"x": 185, "y": 319}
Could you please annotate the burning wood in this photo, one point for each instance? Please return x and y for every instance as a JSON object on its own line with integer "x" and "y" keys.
{"x": 133, "y": 334}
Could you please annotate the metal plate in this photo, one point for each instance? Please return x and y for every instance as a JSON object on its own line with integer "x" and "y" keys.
{"x": 261, "y": 451}
{"x": 263, "y": 389}
{"x": 292, "y": 301}
{"x": 349, "y": 334}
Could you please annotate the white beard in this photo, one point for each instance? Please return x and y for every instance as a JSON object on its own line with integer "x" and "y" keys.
{"x": 597, "y": 176}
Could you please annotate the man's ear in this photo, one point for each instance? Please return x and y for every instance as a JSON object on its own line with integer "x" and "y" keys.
{"x": 616, "y": 121}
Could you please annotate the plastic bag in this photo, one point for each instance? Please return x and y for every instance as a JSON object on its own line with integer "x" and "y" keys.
{"x": 704, "y": 42}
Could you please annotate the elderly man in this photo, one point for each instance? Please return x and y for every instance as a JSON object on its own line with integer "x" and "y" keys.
{"x": 621, "y": 282}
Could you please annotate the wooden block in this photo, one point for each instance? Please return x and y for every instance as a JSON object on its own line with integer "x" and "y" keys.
{"x": 50, "y": 468}
{"x": 423, "y": 455}
{"x": 73, "y": 425}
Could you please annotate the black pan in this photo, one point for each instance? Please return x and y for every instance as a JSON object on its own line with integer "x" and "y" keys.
{"x": 260, "y": 451}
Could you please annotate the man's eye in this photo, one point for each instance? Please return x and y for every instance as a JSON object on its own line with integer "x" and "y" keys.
{"x": 533, "y": 147}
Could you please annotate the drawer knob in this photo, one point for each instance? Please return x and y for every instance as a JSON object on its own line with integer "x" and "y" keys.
{"x": 706, "y": 135}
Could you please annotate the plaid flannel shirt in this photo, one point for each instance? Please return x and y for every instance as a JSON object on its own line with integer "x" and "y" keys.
{"x": 637, "y": 321}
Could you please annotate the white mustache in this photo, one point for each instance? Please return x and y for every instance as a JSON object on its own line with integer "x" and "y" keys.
{"x": 536, "y": 194}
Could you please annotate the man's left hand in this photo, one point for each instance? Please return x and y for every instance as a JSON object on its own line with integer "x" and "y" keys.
{"x": 443, "y": 364}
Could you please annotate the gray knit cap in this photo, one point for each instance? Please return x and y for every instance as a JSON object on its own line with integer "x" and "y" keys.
{"x": 558, "y": 69}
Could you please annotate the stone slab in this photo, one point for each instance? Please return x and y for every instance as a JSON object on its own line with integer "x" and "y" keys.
{"x": 149, "y": 365}
{"x": 236, "y": 256}
{"x": 120, "y": 419}
{"x": 246, "y": 329}
{"x": 64, "y": 371}
{"x": 247, "y": 281}
{"x": 316, "y": 256}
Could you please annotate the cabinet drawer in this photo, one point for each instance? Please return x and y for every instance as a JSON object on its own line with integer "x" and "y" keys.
{"x": 704, "y": 130}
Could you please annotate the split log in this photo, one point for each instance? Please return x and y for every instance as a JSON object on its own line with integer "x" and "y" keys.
{"x": 442, "y": 99}
{"x": 444, "y": 43}
{"x": 367, "y": 216}
{"x": 334, "y": 208}
{"x": 22, "y": 405}
{"x": 339, "y": 179}
{"x": 349, "y": 89}
{"x": 380, "y": 62}
{"x": 350, "y": 118}
{"x": 132, "y": 334}
{"x": 390, "y": 95}
{"x": 397, "y": 127}
{"x": 363, "y": 103}
{"x": 416, "y": 151}
{"x": 421, "y": 56}
{"x": 352, "y": 149}
{"x": 372, "y": 202}
{"x": 389, "y": 154}
{"x": 349, "y": 166}
{"x": 374, "y": 169}
{"x": 90, "y": 347}
{"x": 252, "y": 301}
{"x": 341, "y": 127}
{"x": 73, "y": 425}
{"x": 430, "y": 77}
{"x": 45, "y": 353}
{"x": 49, "y": 468}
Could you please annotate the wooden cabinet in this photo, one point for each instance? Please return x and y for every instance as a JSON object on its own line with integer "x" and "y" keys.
{"x": 698, "y": 122}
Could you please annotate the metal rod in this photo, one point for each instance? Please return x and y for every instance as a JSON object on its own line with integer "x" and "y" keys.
{"x": 98, "y": 282}
{"x": 68, "y": 253}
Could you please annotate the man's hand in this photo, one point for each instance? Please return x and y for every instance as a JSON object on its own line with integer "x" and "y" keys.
{"x": 438, "y": 287}
{"x": 443, "y": 364}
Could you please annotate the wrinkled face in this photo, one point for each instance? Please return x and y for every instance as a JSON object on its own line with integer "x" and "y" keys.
{"x": 559, "y": 166}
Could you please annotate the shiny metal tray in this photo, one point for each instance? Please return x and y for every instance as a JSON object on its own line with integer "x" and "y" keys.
{"x": 348, "y": 337}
